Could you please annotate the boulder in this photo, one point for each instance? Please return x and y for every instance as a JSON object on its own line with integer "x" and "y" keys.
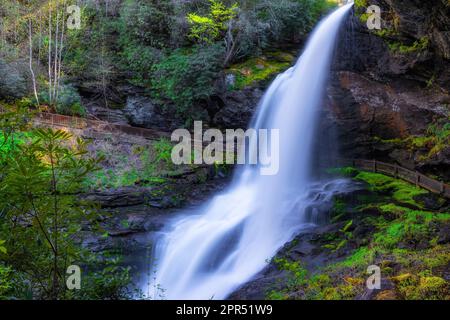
{"x": 142, "y": 111}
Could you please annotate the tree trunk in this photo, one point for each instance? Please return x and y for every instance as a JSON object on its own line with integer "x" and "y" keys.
{"x": 61, "y": 48}
{"x": 50, "y": 55}
{"x": 33, "y": 78}
{"x": 55, "y": 68}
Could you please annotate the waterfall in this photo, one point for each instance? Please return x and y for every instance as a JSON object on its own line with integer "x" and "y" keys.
{"x": 211, "y": 253}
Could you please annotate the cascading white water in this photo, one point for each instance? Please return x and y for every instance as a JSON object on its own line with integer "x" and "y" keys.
{"x": 210, "y": 254}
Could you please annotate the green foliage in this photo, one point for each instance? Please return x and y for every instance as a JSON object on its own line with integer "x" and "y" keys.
{"x": 207, "y": 29}
{"x": 2, "y": 248}
{"x": 386, "y": 32}
{"x": 298, "y": 277}
{"x": 400, "y": 191}
{"x": 147, "y": 22}
{"x": 411, "y": 226}
{"x": 418, "y": 46}
{"x": 145, "y": 28}
{"x": 361, "y": 4}
{"x": 318, "y": 286}
{"x": 204, "y": 29}
{"x": 146, "y": 165}
{"x": 288, "y": 19}
{"x": 163, "y": 148}
{"x": 68, "y": 103}
{"x": 110, "y": 282}
{"x": 414, "y": 287}
{"x": 338, "y": 209}
{"x": 139, "y": 61}
{"x": 298, "y": 272}
{"x": 5, "y": 280}
{"x": 434, "y": 141}
{"x": 148, "y": 43}
{"x": 186, "y": 76}
{"x": 39, "y": 182}
{"x": 360, "y": 258}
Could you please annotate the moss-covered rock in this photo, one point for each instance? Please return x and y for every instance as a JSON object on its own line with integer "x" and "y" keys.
{"x": 259, "y": 69}
{"x": 388, "y": 227}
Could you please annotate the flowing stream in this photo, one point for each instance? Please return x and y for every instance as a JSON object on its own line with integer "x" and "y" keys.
{"x": 211, "y": 253}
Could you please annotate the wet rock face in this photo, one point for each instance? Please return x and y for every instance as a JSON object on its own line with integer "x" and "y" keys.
{"x": 392, "y": 84}
{"x": 141, "y": 111}
{"x": 122, "y": 197}
{"x": 106, "y": 114}
{"x": 238, "y": 108}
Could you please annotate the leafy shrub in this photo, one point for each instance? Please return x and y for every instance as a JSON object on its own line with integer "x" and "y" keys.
{"x": 69, "y": 101}
{"x": 5, "y": 279}
{"x": 12, "y": 82}
{"x": 147, "y": 22}
{"x": 289, "y": 19}
{"x": 111, "y": 282}
{"x": 187, "y": 76}
{"x": 207, "y": 29}
{"x": 138, "y": 61}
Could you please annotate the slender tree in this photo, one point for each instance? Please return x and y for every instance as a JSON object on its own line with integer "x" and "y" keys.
{"x": 33, "y": 77}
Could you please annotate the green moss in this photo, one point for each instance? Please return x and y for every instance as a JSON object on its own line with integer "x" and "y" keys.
{"x": 396, "y": 219}
{"x": 277, "y": 295}
{"x": 364, "y": 17}
{"x": 401, "y": 191}
{"x": 360, "y": 257}
{"x": 436, "y": 260}
{"x": 410, "y": 225}
{"x": 389, "y": 141}
{"x": 386, "y": 32}
{"x": 360, "y": 9}
{"x": 338, "y": 209}
{"x": 344, "y": 171}
{"x": 419, "y": 141}
{"x": 433, "y": 288}
{"x": 360, "y": 4}
{"x": 413, "y": 287}
{"x": 436, "y": 139}
{"x": 298, "y": 272}
{"x": 259, "y": 69}
{"x": 417, "y": 46}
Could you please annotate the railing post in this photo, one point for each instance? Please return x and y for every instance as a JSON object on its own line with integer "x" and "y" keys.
{"x": 374, "y": 165}
{"x": 396, "y": 172}
{"x": 417, "y": 179}
{"x": 442, "y": 187}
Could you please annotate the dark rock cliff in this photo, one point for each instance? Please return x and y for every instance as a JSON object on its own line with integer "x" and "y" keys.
{"x": 388, "y": 97}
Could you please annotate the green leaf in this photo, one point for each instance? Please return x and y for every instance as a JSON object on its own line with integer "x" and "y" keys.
{"x": 347, "y": 226}
{"x": 2, "y": 248}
